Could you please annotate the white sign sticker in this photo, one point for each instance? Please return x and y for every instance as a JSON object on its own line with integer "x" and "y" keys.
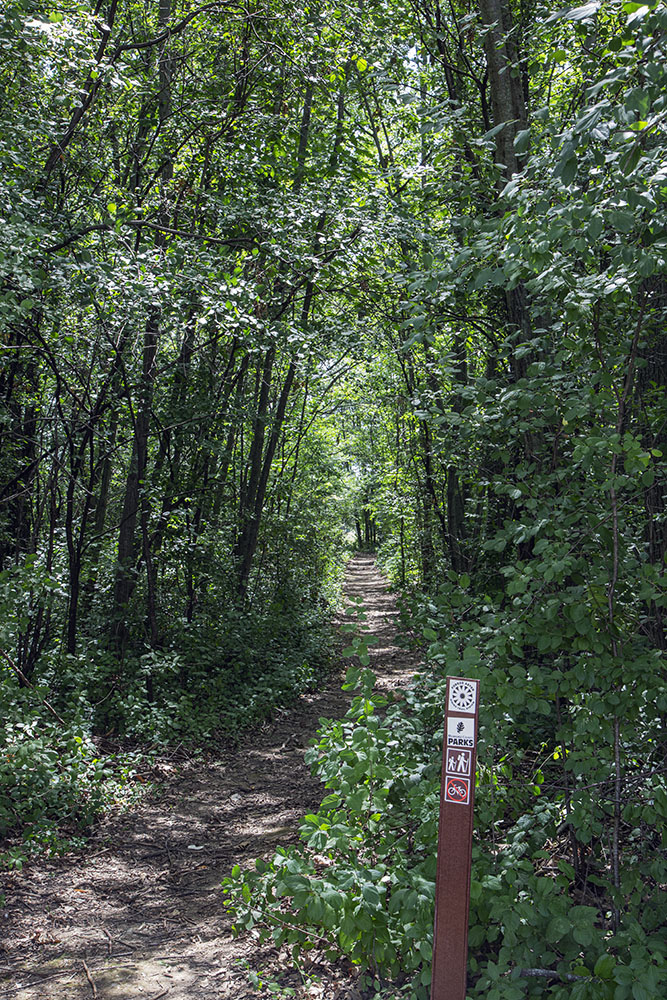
{"x": 460, "y": 732}
{"x": 462, "y": 696}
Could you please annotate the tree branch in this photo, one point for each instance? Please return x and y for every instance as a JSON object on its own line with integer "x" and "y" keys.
{"x": 24, "y": 680}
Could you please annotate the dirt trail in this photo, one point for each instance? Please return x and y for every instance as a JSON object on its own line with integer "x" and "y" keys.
{"x": 139, "y": 914}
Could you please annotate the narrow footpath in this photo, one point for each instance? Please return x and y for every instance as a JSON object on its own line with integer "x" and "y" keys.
{"x": 139, "y": 914}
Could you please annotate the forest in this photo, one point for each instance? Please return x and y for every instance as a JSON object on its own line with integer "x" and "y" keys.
{"x": 283, "y": 281}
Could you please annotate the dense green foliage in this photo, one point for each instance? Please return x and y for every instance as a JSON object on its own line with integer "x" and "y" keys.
{"x": 519, "y": 495}
{"x": 364, "y": 880}
{"x": 270, "y": 274}
{"x": 172, "y": 500}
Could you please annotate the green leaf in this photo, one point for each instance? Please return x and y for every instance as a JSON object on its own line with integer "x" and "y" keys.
{"x": 631, "y": 159}
{"x": 583, "y": 935}
{"x": 595, "y": 226}
{"x": 483, "y": 277}
{"x": 371, "y": 895}
{"x": 565, "y": 866}
{"x": 622, "y": 221}
{"x": 557, "y": 928}
{"x": 583, "y": 13}
{"x": 604, "y": 967}
{"x": 569, "y": 171}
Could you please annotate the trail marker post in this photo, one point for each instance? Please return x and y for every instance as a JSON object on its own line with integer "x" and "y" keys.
{"x": 452, "y": 886}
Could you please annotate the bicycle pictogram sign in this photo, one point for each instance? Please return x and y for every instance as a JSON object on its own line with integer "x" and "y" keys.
{"x": 457, "y": 790}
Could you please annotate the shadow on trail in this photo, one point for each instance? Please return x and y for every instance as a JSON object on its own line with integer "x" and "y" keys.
{"x": 142, "y": 910}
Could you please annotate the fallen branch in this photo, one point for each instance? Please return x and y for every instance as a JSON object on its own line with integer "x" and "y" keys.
{"x": 568, "y": 977}
{"x": 90, "y": 980}
{"x": 36, "y": 982}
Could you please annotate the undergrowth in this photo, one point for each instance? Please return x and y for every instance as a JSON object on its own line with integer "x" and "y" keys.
{"x": 54, "y": 781}
{"x": 361, "y": 883}
{"x": 212, "y": 682}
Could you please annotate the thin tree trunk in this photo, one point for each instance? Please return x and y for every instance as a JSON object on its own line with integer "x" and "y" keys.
{"x": 507, "y": 100}
{"x": 135, "y": 486}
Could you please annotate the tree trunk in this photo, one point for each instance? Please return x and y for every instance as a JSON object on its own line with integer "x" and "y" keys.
{"x": 247, "y": 543}
{"x": 507, "y": 100}
{"x": 135, "y": 487}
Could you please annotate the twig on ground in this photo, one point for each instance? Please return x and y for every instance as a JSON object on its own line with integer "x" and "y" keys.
{"x": 158, "y": 995}
{"x": 35, "y": 982}
{"x": 170, "y": 958}
{"x": 109, "y": 940}
{"x": 90, "y": 979}
{"x": 127, "y": 944}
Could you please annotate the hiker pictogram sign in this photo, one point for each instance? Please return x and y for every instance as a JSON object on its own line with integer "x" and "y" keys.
{"x": 452, "y": 891}
{"x": 459, "y": 762}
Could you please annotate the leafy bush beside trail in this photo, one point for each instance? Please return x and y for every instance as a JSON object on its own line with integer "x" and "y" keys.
{"x": 543, "y": 897}
{"x": 54, "y": 781}
{"x": 54, "y": 778}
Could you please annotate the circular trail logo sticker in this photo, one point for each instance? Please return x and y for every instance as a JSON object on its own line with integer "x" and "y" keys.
{"x": 462, "y": 696}
{"x": 457, "y": 790}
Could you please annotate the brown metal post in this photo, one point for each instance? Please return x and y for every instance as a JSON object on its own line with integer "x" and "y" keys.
{"x": 452, "y": 887}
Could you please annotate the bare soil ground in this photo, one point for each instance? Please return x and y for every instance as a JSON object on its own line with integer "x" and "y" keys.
{"x": 139, "y": 914}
